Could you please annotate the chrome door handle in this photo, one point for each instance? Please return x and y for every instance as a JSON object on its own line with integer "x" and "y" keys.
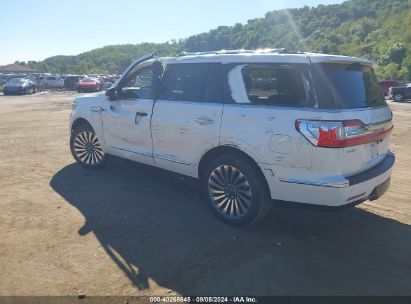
{"x": 204, "y": 120}
{"x": 141, "y": 114}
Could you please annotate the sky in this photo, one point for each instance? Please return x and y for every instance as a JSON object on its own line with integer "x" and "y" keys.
{"x": 35, "y": 30}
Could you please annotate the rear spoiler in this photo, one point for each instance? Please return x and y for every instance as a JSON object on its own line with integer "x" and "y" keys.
{"x": 321, "y": 58}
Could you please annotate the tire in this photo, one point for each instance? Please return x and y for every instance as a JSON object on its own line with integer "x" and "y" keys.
{"x": 240, "y": 196}
{"x": 398, "y": 97}
{"x": 85, "y": 147}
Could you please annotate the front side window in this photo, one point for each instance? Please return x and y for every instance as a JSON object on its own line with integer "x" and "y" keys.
{"x": 195, "y": 82}
{"x": 268, "y": 85}
{"x": 138, "y": 84}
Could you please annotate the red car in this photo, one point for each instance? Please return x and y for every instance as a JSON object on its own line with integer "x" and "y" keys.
{"x": 89, "y": 85}
{"x": 387, "y": 84}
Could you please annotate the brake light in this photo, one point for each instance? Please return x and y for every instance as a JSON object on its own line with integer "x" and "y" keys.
{"x": 340, "y": 134}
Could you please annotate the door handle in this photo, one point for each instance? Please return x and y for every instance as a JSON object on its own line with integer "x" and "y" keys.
{"x": 138, "y": 115}
{"x": 204, "y": 120}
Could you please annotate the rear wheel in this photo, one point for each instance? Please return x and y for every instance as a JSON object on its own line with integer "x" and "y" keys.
{"x": 236, "y": 190}
{"x": 399, "y": 97}
{"x": 85, "y": 147}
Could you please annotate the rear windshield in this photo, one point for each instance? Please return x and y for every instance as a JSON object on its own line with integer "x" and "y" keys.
{"x": 346, "y": 86}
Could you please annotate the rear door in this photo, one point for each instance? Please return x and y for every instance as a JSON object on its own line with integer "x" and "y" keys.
{"x": 187, "y": 115}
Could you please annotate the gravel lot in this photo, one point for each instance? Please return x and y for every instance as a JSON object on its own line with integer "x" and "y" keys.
{"x": 134, "y": 230}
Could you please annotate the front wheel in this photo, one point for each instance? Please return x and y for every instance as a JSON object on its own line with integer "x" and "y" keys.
{"x": 399, "y": 98}
{"x": 236, "y": 190}
{"x": 85, "y": 147}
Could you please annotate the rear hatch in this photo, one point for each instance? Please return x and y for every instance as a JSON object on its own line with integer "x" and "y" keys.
{"x": 350, "y": 131}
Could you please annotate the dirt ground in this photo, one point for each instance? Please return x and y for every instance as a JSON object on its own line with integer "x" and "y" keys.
{"x": 134, "y": 230}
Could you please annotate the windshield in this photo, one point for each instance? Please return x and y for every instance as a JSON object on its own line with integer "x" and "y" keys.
{"x": 345, "y": 86}
{"x": 16, "y": 81}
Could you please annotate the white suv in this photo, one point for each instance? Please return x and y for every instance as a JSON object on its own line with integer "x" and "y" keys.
{"x": 253, "y": 126}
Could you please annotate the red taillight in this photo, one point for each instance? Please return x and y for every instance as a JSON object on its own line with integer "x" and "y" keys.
{"x": 328, "y": 137}
{"x": 340, "y": 134}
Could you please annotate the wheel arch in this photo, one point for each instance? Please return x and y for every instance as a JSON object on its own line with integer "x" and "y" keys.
{"x": 80, "y": 121}
{"x": 224, "y": 150}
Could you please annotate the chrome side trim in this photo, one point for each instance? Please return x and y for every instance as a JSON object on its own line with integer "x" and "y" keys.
{"x": 170, "y": 159}
{"x": 96, "y": 109}
{"x": 318, "y": 184}
{"x": 135, "y": 152}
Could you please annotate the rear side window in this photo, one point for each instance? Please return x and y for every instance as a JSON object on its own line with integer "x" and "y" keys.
{"x": 273, "y": 85}
{"x": 196, "y": 82}
{"x": 345, "y": 86}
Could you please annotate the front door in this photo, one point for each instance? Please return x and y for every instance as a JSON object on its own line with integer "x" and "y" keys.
{"x": 126, "y": 118}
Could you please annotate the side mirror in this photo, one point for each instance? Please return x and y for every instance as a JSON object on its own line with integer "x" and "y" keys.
{"x": 111, "y": 93}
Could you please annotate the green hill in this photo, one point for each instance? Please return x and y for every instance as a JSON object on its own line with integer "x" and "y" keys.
{"x": 378, "y": 30}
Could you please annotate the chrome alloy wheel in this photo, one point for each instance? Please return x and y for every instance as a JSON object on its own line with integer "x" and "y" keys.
{"x": 87, "y": 148}
{"x": 229, "y": 191}
{"x": 398, "y": 98}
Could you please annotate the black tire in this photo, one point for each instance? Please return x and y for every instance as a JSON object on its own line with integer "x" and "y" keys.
{"x": 240, "y": 196}
{"x": 78, "y": 91}
{"x": 85, "y": 147}
{"x": 398, "y": 97}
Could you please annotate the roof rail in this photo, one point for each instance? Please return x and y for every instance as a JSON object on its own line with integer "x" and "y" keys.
{"x": 232, "y": 52}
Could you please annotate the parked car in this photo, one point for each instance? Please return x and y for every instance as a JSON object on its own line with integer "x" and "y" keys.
{"x": 387, "y": 84}
{"x": 400, "y": 94}
{"x": 51, "y": 82}
{"x": 252, "y": 126}
{"x": 71, "y": 81}
{"x": 19, "y": 86}
{"x": 88, "y": 84}
{"x": 4, "y": 78}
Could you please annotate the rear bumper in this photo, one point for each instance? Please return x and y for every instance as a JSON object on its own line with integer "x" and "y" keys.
{"x": 336, "y": 190}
